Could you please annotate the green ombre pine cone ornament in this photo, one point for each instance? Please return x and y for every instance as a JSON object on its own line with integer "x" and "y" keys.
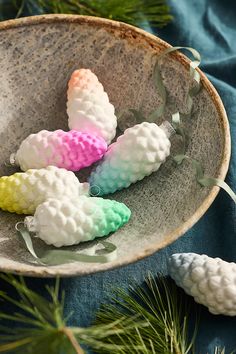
{"x": 71, "y": 221}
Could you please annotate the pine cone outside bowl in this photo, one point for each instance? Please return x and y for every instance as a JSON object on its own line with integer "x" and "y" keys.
{"x": 211, "y": 281}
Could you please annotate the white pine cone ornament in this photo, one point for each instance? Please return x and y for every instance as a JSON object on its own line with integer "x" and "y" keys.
{"x": 88, "y": 106}
{"x": 21, "y": 193}
{"x": 137, "y": 153}
{"x": 71, "y": 221}
{"x": 71, "y": 150}
{"x": 211, "y": 281}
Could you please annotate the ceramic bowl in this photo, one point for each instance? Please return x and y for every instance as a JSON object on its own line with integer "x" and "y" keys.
{"x": 38, "y": 55}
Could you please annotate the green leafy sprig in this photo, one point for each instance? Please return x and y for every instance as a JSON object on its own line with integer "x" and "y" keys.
{"x": 135, "y": 12}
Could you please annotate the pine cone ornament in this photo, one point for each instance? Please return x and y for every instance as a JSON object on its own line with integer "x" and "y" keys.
{"x": 88, "y": 106}
{"x": 71, "y": 150}
{"x": 211, "y": 281}
{"x": 71, "y": 221}
{"x": 21, "y": 193}
{"x": 136, "y": 154}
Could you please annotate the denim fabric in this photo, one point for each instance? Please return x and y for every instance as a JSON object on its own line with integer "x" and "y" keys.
{"x": 210, "y": 27}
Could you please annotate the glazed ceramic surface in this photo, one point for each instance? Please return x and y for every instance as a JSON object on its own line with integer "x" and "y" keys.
{"x": 37, "y": 57}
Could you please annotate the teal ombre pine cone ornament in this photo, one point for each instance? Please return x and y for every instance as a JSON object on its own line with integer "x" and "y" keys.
{"x": 71, "y": 221}
{"x": 137, "y": 153}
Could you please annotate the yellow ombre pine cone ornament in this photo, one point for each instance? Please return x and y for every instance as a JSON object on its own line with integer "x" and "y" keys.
{"x": 21, "y": 193}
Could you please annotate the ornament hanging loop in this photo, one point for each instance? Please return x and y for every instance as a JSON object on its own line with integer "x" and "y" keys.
{"x": 18, "y": 227}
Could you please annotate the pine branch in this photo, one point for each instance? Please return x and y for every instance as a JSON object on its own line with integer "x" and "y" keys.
{"x": 70, "y": 335}
{"x": 39, "y": 326}
{"x": 158, "y": 303}
{"x": 135, "y": 12}
{"x": 151, "y": 319}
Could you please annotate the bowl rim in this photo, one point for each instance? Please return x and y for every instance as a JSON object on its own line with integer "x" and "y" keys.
{"x": 146, "y": 39}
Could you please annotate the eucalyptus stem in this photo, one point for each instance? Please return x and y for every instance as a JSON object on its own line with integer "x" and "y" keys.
{"x": 70, "y": 335}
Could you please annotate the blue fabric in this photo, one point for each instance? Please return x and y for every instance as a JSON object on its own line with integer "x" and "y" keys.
{"x": 210, "y": 27}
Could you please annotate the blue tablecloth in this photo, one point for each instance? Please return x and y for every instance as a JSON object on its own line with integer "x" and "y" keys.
{"x": 210, "y": 27}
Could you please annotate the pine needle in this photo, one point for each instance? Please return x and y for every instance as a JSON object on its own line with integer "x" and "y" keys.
{"x": 163, "y": 307}
{"x": 219, "y": 350}
{"x": 39, "y": 326}
{"x": 152, "y": 318}
{"x": 135, "y": 12}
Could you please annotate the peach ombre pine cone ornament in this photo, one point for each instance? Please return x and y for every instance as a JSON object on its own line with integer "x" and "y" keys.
{"x": 88, "y": 106}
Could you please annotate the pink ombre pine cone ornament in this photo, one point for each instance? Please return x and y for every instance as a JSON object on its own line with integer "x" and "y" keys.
{"x": 71, "y": 150}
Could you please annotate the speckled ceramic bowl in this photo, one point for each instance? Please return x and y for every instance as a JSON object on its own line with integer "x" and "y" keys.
{"x": 37, "y": 57}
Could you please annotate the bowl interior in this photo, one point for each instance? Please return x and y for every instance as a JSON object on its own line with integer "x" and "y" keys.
{"x": 37, "y": 57}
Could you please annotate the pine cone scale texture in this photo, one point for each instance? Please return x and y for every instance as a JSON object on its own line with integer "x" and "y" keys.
{"x": 211, "y": 281}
